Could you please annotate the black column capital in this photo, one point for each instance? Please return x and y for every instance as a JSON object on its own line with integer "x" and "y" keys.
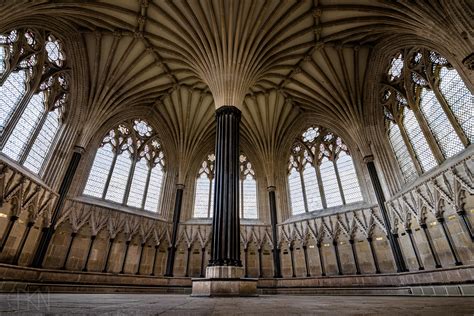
{"x": 229, "y": 109}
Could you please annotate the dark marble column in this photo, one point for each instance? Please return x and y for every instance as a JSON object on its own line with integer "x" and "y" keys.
{"x": 91, "y": 245}
{"x": 22, "y": 242}
{"x": 292, "y": 259}
{"x": 415, "y": 249}
{"x": 124, "y": 261}
{"x": 140, "y": 257}
{"x": 260, "y": 270}
{"x": 434, "y": 254}
{"x": 174, "y": 233}
{"x": 8, "y": 230}
{"x": 48, "y": 232}
{"x": 203, "y": 256}
{"x": 321, "y": 259}
{"x": 225, "y": 249}
{"x": 188, "y": 257}
{"x": 71, "y": 241}
{"x": 465, "y": 223}
{"x": 354, "y": 255}
{"x": 306, "y": 262}
{"x": 246, "y": 262}
{"x": 374, "y": 255}
{"x": 273, "y": 219}
{"x": 449, "y": 239}
{"x": 154, "y": 259}
{"x": 396, "y": 250}
{"x": 107, "y": 256}
{"x": 338, "y": 259}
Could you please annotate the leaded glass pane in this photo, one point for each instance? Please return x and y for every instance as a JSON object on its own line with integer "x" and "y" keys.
{"x": 99, "y": 172}
{"x": 43, "y": 142}
{"x": 401, "y": 153}
{"x": 119, "y": 179}
{"x": 201, "y": 203}
{"x": 440, "y": 126}
{"x": 137, "y": 188}
{"x": 154, "y": 189}
{"x": 331, "y": 188}
{"x": 349, "y": 181}
{"x": 27, "y": 123}
{"x": 11, "y": 93}
{"x": 250, "y": 197}
{"x": 418, "y": 141}
{"x": 313, "y": 196}
{"x": 296, "y": 192}
{"x": 459, "y": 98}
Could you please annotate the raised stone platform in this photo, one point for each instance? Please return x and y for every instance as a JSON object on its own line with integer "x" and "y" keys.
{"x": 224, "y": 281}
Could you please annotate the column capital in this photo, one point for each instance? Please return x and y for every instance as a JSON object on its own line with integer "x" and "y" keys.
{"x": 368, "y": 158}
{"x": 228, "y": 109}
{"x": 180, "y": 186}
{"x": 79, "y": 149}
{"x": 271, "y": 188}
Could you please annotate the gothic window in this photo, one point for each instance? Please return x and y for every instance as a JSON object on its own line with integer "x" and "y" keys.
{"x": 33, "y": 95}
{"x": 128, "y": 167}
{"x": 321, "y": 172}
{"x": 428, "y": 111}
{"x": 204, "y": 192}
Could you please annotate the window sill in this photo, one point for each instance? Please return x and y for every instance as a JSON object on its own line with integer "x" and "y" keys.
{"x": 329, "y": 211}
{"x": 116, "y": 207}
{"x": 20, "y": 169}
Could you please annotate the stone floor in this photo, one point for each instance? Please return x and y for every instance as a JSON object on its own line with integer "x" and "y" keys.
{"x": 152, "y": 304}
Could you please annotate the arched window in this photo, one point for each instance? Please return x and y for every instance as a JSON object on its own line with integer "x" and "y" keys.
{"x": 128, "y": 167}
{"x": 204, "y": 192}
{"x": 429, "y": 111}
{"x": 33, "y": 94}
{"x": 321, "y": 172}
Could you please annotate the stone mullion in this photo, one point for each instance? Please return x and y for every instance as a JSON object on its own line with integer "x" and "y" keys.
{"x": 71, "y": 241}
{"x": 91, "y": 245}
{"x": 32, "y": 138}
{"x": 320, "y": 185}
{"x": 209, "y": 199}
{"x": 339, "y": 183}
{"x": 147, "y": 186}
{"x": 20, "y": 109}
{"x": 410, "y": 149}
{"x": 24, "y": 237}
{"x": 432, "y": 143}
{"x": 303, "y": 189}
{"x": 109, "y": 176}
{"x": 449, "y": 239}
{"x": 449, "y": 113}
{"x": 434, "y": 254}
{"x": 131, "y": 175}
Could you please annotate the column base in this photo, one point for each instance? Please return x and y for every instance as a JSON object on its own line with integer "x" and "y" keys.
{"x": 224, "y": 281}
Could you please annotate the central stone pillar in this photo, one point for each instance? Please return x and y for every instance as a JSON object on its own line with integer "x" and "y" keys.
{"x": 224, "y": 274}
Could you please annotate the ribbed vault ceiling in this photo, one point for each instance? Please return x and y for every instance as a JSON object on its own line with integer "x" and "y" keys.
{"x": 274, "y": 59}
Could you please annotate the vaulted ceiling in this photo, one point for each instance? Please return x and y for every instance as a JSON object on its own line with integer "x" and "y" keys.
{"x": 276, "y": 60}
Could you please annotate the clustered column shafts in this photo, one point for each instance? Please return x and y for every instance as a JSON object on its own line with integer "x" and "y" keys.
{"x": 47, "y": 232}
{"x": 174, "y": 233}
{"x": 225, "y": 249}
{"x": 273, "y": 219}
{"x": 393, "y": 241}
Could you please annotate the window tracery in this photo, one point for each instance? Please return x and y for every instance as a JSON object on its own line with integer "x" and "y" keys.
{"x": 204, "y": 193}
{"x": 428, "y": 110}
{"x": 321, "y": 172}
{"x": 128, "y": 167}
{"x": 34, "y": 85}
